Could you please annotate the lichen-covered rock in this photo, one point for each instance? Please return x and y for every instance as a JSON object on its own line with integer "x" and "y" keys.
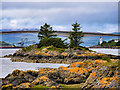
{"x": 24, "y": 85}
{"x": 43, "y": 80}
{"x": 94, "y": 74}
{"x": 102, "y": 80}
{"x": 55, "y": 55}
{"x": 18, "y": 76}
{"x": 7, "y": 87}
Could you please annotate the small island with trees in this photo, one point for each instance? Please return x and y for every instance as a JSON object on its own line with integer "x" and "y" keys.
{"x": 113, "y": 44}
{"x": 87, "y": 69}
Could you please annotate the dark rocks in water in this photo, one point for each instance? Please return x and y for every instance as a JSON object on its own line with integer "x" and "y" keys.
{"x": 8, "y": 56}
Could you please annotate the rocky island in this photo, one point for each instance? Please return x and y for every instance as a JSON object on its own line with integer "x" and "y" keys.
{"x": 87, "y": 69}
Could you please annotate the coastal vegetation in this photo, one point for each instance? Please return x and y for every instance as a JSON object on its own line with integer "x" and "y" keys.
{"x": 47, "y": 38}
{"x": 75, "y": 36}
{"x": 110, "y": 43}
{"x": 45, "y": 31}
{"x": 86, "y": 70}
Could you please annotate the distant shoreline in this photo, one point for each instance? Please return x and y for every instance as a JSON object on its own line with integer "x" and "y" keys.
{"x": 107, "y": 47}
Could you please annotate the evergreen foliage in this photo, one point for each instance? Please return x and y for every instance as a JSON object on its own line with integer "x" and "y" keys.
{"x": 45, "y": 31}
{"x": 46, "y": 38}
{"x": 110, "y": 43}
{"x": 75, "y": 36}
{"x": 56, "y": 42}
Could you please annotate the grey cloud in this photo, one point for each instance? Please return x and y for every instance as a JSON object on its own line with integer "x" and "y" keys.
{"x": 60, "y": 15}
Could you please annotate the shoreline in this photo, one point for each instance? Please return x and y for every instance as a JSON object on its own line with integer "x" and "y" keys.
{"x": 105, "y": 47}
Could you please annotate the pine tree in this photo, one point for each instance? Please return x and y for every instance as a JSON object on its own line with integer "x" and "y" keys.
{"x": 45, "y": 31}
{"x": 75, "y": 36}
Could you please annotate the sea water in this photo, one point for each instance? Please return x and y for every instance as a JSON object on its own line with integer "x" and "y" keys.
{"x": 88, "y": 41}
{"x": 7, "y": 66}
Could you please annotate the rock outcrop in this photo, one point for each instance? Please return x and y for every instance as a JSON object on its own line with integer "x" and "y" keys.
{"x": 53, "y": 56}
{"x": 94, "y": 74}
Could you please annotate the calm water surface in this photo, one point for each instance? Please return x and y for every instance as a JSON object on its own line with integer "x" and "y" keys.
{"x": 7, "y": 66}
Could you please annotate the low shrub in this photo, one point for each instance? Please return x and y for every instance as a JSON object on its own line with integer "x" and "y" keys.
{"x": 29, "y": 48}
{"x": 80, "y": 48}
{"x": 56, "y": 42}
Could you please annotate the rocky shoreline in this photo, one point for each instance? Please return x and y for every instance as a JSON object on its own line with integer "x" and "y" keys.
{"x": 89, "y": 69}
{"x": 66, "y": 57}
{"x": 91, "y": 74}
{"x": 110, "y": 47}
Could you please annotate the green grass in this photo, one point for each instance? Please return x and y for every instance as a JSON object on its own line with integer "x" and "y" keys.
{"x": 29, "y": 48}
{"x": 39, "y": 87}
{"x": 64, "y": 87}
{"x": 72, "y": 85}
{"x": 106, "y": 58}
{"x": 111, "y": 64}
{"x": 52, "y": 48}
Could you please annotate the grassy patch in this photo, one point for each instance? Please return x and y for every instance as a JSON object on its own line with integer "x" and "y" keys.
{"x": 106, "y": 58}
{"x": 72, "y": 85}
{"x": 81, "y": 48}
{"x": 52, "y": 48}
{"x": 39, "y": 87}
{"x": 29, "y": 48}
{"x": 111, "y": 64}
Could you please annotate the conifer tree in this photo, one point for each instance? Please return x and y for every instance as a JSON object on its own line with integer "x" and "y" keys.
{"x": 75, "y": 36}
{"x": 45, "y": 31}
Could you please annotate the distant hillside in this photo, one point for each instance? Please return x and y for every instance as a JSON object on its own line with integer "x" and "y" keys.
{"x": 23, "y": 29}
{"x": 116, "y": 33}
{"x": 2, "y": 43}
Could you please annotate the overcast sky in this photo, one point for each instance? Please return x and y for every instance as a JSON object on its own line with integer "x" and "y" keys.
{"x": 93, "y": 17}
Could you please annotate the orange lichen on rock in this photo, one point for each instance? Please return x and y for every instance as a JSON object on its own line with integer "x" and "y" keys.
{"x": 37, "y": 52}
{"x": 76, "y": 64}
{"x": 53, "y": 87}
{"x": 64, "y": 54}
{"x": 46, "y": 54}
{"x": 76, "y": 70}
{"x": 85, "y": 70}
{"x": 52, "y": 70}
{"x": 64, "y": 68}
{"x": 99, "y": 78}
{"x": 99, "y": 61}
{"x": 41, "y": 70}
{"x": 94, "y": 74}
{"x": 44, "y": 78}
{"x": 104, "y": 80}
